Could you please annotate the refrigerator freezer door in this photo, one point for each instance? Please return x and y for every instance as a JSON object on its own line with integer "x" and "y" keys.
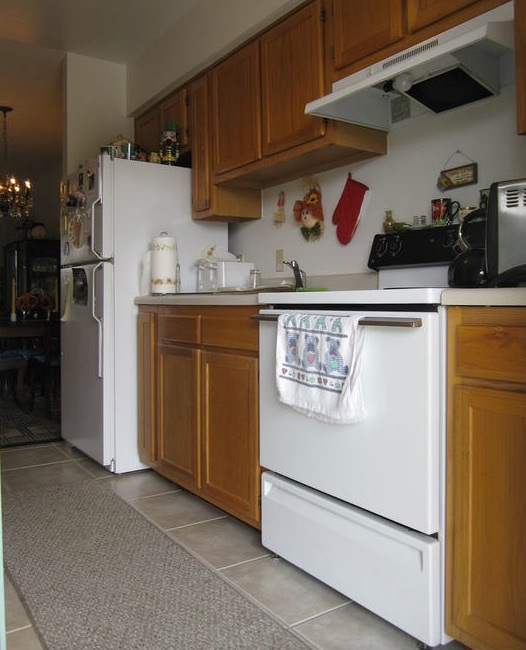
{"x": 87, "y": 361}
{"x": 87, "y": 220}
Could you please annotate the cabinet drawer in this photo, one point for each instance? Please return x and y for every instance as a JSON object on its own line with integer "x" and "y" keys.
{"x": 237, "y": 332}
{"x": 183, "y": 328}
{"x": 492, "y": 352}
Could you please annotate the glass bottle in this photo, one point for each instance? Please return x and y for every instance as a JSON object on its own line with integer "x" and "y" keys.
{"x": 389, "y": 224}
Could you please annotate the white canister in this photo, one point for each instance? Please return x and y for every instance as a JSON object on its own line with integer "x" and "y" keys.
{"x": 163, "y": 265}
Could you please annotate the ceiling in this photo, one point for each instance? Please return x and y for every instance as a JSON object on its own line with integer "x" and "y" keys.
{"x": 35, "y": 34}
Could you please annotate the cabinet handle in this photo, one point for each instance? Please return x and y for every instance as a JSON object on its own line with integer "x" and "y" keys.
{"x": 366, "y": 321}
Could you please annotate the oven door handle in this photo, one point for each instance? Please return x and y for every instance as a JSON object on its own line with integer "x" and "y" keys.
{"x": 366, "y": 321}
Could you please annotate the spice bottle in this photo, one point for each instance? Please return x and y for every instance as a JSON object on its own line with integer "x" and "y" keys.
{"x": 169, "y": 144}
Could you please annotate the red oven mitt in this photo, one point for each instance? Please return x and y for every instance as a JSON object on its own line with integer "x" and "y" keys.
{"x": 347, "y": 212}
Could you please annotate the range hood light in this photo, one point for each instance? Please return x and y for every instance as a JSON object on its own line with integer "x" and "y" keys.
{"x": 403, "y": 82}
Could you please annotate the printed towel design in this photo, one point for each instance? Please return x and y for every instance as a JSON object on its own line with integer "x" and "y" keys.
{"x": 318, "y": 366}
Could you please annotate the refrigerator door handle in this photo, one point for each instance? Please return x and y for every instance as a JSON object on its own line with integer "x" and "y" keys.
{"x": 98, "y": 320}
{"x": 93, "y": 249}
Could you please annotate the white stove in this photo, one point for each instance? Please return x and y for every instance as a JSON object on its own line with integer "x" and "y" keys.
{"x": 362, "y": 506}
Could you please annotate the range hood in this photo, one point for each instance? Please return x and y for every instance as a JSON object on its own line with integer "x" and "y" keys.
{"x": 457, "y": 67}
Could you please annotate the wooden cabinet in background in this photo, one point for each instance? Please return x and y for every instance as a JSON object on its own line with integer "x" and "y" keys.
{"x": 174, "y": 109}
{"x": 146, "y": 339}
{"x": 205, "y": 379}
{"x": 236, "y": 109}
{"x": 520, "y": 64}
{"x": 362, "y": 28}
{"x": 209, "y": 201}
{"x": 292, "y": 74}
{"x": 486, "y": 479}
{"x": 360, "y": 33}
{"x": 148, "y": 130}
{"x": 421, "y": 13}
{"x": 292, "y": 143}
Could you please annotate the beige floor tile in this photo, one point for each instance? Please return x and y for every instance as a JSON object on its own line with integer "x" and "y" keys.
{"x": 94, "y": 469}
{"x": 43, "y": 475}
{"x": 15, "y": 614}
{"x": 146, "y": 483}
{"x": 69, "y": 450}
{"x": 31, "y": 455}
{"x": 25, "y": 639}
{"x": 354, "y": 628}
{"x": 176, "y": 509}
{"x": 223, "y": 542}
{"x": 288, "y": 592}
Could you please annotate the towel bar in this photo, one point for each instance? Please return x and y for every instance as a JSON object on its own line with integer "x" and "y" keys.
{"x": 367, "y": 321}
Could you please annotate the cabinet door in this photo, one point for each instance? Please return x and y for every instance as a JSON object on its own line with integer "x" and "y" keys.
{"x": 421, "y": 13}
{"x": 292, "y": 74}
{"x": 147, "y": 387}
{"x": 148, "y": 130}
{"x": 178, "y": 425}
{"x": 236, "y": 109}
{"x": 174, "y": 109}
{"x": 486, "y": 549}
{"x": 520, "y": 64}
{"x": 198, "y": 116}
{"x": 230, "y": 465}
{"x": 361, "y": 27}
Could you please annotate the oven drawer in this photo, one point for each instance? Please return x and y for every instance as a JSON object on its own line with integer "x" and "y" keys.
{"x": 388, "y": 569}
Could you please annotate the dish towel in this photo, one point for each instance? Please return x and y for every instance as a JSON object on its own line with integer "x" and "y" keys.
{"x": 318, "y": 366}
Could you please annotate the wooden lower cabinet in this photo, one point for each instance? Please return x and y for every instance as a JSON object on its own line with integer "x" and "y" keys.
{"x": 178, "y": 414}
{"x": 486, "y": 478}
{"x": 146, "y": 337}
{"x": 204, "y": 401}
{"x": 229, "y": 417}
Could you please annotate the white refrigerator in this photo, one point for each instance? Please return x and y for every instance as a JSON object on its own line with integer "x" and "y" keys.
{"x": 111, "y": 210}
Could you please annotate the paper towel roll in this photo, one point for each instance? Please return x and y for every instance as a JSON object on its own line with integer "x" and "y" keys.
{"x": 163, "y": 276}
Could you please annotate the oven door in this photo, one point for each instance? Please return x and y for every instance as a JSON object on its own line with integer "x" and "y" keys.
{"x": 389, "y": 464}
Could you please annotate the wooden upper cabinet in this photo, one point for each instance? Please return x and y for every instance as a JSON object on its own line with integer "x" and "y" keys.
{"x": 208, "y": 201}
{"x": 362, "y": 28}
{"x": 236, "y": 109}
{"x": 148, "y": 130}
{"x": 198, "y": 117}
{"x": 421, "y": 13}
{"x": 520, "y": 64}
{"x": 174, "y": 109}
{"x": 292, "y": 75}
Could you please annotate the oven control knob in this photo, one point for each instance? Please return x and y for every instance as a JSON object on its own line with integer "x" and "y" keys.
{"x": 379, "y": 246}
{"x": 395, "y": 245}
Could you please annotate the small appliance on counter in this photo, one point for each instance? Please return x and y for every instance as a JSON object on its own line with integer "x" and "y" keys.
{"x": 506, "y": 234}
{"x": 468, "y": 269}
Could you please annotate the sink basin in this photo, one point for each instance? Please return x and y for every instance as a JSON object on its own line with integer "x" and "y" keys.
{"x": 262, "y": 288}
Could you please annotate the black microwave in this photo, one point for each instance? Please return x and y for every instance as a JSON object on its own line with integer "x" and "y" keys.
{"x": 506, "y": 234}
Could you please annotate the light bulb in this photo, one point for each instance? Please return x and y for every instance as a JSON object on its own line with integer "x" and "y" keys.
{"x": 403, "y": 82}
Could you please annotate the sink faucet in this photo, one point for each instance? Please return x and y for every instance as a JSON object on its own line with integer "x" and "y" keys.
{"x": 300, "y": 276}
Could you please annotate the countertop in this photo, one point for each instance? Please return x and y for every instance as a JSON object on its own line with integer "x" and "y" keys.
{"x": 199, "y": 299}
{"x": 449, "y": 297}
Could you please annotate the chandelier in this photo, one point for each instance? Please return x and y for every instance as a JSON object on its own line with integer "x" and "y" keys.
{"x": 15, "y": 198}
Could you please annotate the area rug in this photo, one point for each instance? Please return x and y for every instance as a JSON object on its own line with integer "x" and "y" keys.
{"x": 18, "y": 427}
{"x": 94, "y": 574}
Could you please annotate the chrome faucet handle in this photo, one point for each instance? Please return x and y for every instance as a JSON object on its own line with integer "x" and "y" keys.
{"x": 300, "y": 277}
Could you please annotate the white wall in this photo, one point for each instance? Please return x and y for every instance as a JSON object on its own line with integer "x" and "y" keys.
{"x": 404, "y": 181}
{"x": 96, "y": 114}
{"x": 206, "y": 33}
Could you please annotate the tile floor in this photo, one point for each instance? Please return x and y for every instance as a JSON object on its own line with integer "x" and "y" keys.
{"x": 323, "y": 618}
